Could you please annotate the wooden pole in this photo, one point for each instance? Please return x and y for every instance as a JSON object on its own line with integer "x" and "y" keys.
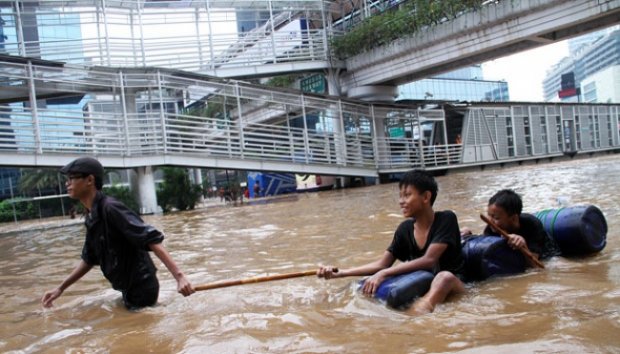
{"x": 526, "y": 252}
{"x": 227, "y": 283}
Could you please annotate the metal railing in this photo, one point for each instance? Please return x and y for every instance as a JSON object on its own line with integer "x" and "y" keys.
{"x": 143, "y": 112}
{"x": 198, "y": 35}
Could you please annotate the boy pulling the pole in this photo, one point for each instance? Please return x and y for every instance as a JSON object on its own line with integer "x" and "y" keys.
{"x": 427, "y": 240}
{"x": 117, "y": 240}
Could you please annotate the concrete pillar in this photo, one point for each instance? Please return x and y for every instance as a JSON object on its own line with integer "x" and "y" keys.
{"x": 379, "y": 135}
{"x": 198, "y": 181}
{"x": 212, "y": 179}
{"x": 143, "y": 182}
{"x": 333, "y": 88}
{"x": 333, "y": 82}
{"x": 377, "y": 93}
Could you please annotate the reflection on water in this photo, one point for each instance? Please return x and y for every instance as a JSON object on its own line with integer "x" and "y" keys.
{"x": 571, "y": 306}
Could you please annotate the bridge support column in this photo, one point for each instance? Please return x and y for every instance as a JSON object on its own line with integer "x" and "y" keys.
{"x": 143, "y": 182}
{"x": 377, "y": 94}
{"x": 198, "y": 181}
{"x": 381, "y": 93}
{"x": 382, "y": 149}
{"x": 333, "y": 88}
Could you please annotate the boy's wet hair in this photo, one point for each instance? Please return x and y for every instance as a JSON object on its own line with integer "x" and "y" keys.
{"x": 508, "y": 200}
{"x": 420, "y": 180}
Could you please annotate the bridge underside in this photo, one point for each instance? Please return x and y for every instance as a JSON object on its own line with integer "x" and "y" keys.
{"x": 495, "y": 31}
{"x": 184, "y": 160}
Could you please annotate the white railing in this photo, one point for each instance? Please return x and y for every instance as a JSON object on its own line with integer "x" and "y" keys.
{"x": 197, "y": 36}
{"x": 135, "y": 113}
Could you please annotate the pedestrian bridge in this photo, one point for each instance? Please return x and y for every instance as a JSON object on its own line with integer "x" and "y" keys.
{"x": 497, "y": 29}
{"x": 121, "y": 88}
{"x": 244, "y": 39}
{"x": 148, "y": 117}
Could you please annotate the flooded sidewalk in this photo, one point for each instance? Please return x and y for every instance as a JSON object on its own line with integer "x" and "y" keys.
{"x": 39, "y": 224}
{"x": 62, "y": 221}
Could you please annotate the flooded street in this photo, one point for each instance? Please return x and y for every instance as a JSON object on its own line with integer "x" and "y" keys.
{"x": 571, "y": 306}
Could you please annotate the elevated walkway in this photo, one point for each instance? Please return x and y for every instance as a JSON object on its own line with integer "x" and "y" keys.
{"x": 198, "y": 36}
{"x": 498, "y": 29}
{"x": 135, "y": 101}
{"x": 148, "y": 117}
{"x": 286, "y": 36}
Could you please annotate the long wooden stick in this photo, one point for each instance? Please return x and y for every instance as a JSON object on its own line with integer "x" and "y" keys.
{"x": 526, "y": 252}
{"x": 227, "y": 283}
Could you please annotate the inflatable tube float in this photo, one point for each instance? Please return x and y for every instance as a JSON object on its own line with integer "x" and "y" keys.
{"x": 578, "y": 231}
{"x": 487, "y": 256}
{"x": 399, "y": 291}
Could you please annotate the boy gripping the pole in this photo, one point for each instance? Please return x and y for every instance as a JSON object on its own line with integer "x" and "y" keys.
{"x": 427, "y": 240}
{"x": 505, "y": 209}
{"x": 117, "y": 240}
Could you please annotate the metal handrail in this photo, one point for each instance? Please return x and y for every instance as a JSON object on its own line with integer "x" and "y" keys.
{"x": 197, "y": 36}
{"x": 102, "y": 127}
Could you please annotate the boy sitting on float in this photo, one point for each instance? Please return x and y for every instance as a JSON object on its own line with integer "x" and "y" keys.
{"x": 426, "y": 240}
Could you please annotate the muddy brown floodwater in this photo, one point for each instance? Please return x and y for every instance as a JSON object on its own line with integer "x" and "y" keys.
{"x": 571, "y": 306}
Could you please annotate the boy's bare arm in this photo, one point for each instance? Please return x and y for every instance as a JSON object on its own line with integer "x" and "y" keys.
{"x": 183, "y": 285}
{"x": 78, "y": 272}
{"x": 367, "y": 269}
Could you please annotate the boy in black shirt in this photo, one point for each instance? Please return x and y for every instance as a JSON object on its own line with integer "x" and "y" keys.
{"x": 427, "y": 240}
{"x": 117, "y": 240}
{"x": 524, "y": 229}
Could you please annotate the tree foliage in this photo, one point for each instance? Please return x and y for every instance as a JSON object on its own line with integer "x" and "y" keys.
{"x": 399, "y": 22}
{"x": 38, "y": 179}
{"x": 177, "y": 191}
{"x": 124, "y": 195}
{"x": 11, "y": 209}
{"x": 282, "y": 80}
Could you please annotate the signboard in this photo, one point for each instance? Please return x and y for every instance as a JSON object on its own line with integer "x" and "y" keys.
{"x": 313, "y": 84}
{"x": 568, "y": 92}
{"x": 397, "y": 132}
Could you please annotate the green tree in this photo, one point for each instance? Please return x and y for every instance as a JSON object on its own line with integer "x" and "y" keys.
{"x": 177, "y": 191}
{"x": 36, "y": 179}
{"x": 394, "y": 23}
{"x": 124, "y": 195}
{"x": 11, "y": 209}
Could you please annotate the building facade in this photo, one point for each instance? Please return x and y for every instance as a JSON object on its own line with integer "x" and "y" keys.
{"x": 466, "y": 84}
{"x": 602, "y": 87}
{"x": 583, "y": 63}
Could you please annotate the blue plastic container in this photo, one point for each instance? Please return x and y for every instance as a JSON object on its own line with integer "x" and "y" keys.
{"x": 578, "y": 230}
{"x": 401, "y": 290}
{"x": 487, "y": 256}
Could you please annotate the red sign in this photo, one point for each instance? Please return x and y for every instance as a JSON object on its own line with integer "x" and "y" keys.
{"x": 567, "y": 92}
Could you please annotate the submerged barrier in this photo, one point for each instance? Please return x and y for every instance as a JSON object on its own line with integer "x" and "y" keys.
{"x": 578, "y": 231}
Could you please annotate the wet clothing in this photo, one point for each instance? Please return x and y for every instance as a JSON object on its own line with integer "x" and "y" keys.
{"x": 118, "y": 241}
{"x": 536, "y": 238}
{"x": 445, "y": 229}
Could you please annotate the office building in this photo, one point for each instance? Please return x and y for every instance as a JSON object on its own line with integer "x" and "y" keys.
{"x": 466, "y": 84}
{"x": 584, "y": 63}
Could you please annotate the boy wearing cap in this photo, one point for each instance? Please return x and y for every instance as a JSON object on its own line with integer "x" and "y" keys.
{"x": 117, "y": 240}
